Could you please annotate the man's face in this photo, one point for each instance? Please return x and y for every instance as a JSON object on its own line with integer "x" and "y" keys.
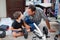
{"x": 30, "y": 12}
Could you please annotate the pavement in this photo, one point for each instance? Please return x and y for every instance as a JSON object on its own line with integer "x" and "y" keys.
{"x": 54, "y": 25}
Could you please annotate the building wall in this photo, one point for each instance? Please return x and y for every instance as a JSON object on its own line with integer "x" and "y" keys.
{"x": 32, "y": 2}
{"x": 47, "y": 1}
{"x": 2, "y": 8}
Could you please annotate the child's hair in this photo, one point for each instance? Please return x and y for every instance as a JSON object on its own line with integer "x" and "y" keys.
{"x": 17, "y": 14}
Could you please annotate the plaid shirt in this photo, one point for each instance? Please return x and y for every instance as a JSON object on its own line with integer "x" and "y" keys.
{"x": 39, "y": 14}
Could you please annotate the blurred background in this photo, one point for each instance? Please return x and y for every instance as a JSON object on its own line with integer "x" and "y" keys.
{"x": 50, "y": 7}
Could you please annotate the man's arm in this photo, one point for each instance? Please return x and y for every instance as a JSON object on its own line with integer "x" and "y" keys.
{"x": 47, "y": 21}
{"x": 45, "y": 18}
{"x": 48, "y": 24}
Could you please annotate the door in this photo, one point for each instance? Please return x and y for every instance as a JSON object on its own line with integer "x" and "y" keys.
{"x": 42, "y": 1}
{"x": 14, "y": 5}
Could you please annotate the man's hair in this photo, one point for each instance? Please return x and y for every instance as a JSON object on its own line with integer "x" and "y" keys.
{"x": 32, "y": 7}
{"x": 17, "y": 14}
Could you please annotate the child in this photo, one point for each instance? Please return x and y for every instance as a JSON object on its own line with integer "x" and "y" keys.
{"x": 18, "y": 23}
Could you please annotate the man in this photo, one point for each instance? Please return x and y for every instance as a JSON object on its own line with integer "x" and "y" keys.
{"x": 36, "y": 14}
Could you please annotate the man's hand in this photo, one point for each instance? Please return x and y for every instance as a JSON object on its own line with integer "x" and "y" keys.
{"x": 52, "y": 30}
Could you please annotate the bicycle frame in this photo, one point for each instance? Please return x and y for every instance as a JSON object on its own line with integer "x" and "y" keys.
{"x": 39, "y": 33}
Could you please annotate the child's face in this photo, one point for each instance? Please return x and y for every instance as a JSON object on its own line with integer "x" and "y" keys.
{"x": 20, "y": 17}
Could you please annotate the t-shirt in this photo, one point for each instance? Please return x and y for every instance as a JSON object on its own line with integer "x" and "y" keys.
{"x": 39, "y": 14}
{"x": 17, "y": 25}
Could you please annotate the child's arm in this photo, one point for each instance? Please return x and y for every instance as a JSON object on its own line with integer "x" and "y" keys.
{"x": 26, "y": 26}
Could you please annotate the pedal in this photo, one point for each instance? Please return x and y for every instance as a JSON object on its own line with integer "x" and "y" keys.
{"x": 47, "y": 36}
{"x": 56, "y": 37}
{"x": 37, "y": 35}
{"x": 34, "y": 38}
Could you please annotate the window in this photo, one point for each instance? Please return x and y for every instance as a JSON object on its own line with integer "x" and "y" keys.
{"x": 29, "y": 0}
{"x": 37, "y": 0}
{"x": 59, "y": 1}
{"x": 42, "y": 1}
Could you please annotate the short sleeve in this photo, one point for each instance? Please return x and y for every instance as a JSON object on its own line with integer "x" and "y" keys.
{"x": 43, "y": 14}
{"x": 13, "y": 24}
